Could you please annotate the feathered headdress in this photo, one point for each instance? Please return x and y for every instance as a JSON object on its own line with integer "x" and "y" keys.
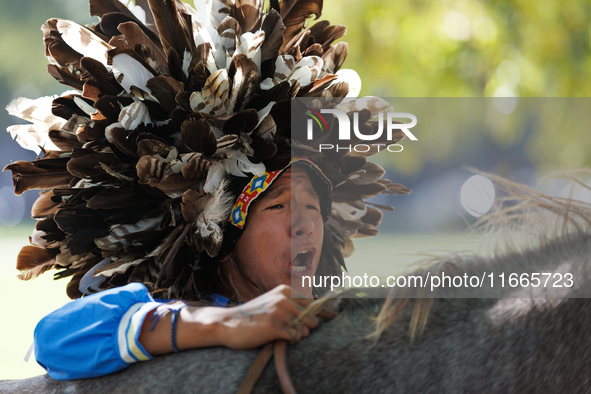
{"x": 170, "y": 102}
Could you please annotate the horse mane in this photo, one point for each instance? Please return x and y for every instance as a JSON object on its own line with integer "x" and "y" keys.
{"x": 523, "y": 222}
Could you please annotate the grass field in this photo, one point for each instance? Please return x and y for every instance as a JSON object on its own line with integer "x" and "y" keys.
{"x": 25, "y": 303}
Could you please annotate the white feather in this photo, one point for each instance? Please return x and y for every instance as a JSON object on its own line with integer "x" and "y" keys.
{"x": 218, "y": 206}
{"x": 352, "y": 78}
{"x": 284, "y": 66}
{"x": 267, "y": 84}
{"x": 119, "y": 269}
{"x": 187, "y": 57}
{"x": 210, "y": 35}
{"x": 38, "y": 111}
{"x": 84, "y": 106}
{"x": 203, "y": 8}
{"x": 27, "y": 136}
{"x": 214, "y": 95}
{"x": 228, "y": 40}
{"x": 307, "y": 70}
{"x": 84, "y": 41}
{"x": 264, "y": 112}
{"x": 215, "y": 175}
{"x": 250, "y": 45}
{"x": 238, "y": 164}
{"x": 133, "y": 115}
{"x": 136, "y": 10}
{"x": 129, "y": 72}
{"x": 90, "y": 283}
{"x": 197, "y": 102}
{"x": 211, "y": 12}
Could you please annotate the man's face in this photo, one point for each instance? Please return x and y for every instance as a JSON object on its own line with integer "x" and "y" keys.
{"x": 282, "y": 239}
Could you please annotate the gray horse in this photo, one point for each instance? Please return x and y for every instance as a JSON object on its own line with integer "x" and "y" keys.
{"x": 522, "y": 340}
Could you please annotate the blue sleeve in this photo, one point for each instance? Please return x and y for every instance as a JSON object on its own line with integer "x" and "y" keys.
{"x": 95, "y": 335}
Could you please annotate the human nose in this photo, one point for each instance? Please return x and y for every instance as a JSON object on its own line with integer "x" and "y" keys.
{"x": 302, "y": 222}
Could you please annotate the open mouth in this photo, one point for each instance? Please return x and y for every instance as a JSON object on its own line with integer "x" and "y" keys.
{"x": 302, "y": 262}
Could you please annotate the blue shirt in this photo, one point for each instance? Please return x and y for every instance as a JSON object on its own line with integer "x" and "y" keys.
{"x": 98, "y": 334}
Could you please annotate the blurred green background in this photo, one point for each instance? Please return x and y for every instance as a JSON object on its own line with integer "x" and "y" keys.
{"x": 402, "y": 48}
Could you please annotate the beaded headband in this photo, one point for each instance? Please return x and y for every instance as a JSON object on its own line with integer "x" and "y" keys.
{"x": 259, "y": 184}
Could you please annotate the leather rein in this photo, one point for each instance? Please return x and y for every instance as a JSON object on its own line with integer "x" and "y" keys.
{"x": 279, "y": 349}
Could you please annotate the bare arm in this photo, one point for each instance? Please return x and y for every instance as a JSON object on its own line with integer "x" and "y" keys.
{"x": 263, "y": 319}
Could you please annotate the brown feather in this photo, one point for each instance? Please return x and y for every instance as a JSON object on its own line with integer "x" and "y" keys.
{"x": 203, "y": 53}
{"x": 65, "y": 76}
{"x": 318, "y": 86}
{"x": 110, "y": 21}
{"x": 226, "y": 143}
{"x": 110, "y": 106}
{"x": 324, "y": 33}
{"x": 248, "y": 15}
{"x": 120, "y": 137}
{"x": 56, "y": 47}
{"x": 244, "y": 75}
{"x": 197, "y": 78}
{"x": 82, "y": 242}
{"x": 274, "y": 29}
{"x": 40, "y": 174}
{"x": 196, "y": 167}
{"x": 65, "y": 141}
{"x": 266, "y": 130}
{"x": 88, "y": 165}
{"x": 313, "y": 50}
{"x": 135, "y": 36}
{"x": 242, "y": 122}
{"x": 86, "y": 133}
{"x": 231, "y": 24}
{"x": 175, "y": 65}
{"x": 197, "y": 136}
{"x": 295, "y": 13}
{"x": 299, "y": 42}
{"x": 150, "y": 167}
{"x": 335, "y": 56}
{"x": 44, "y": 206}
{"x": 149, "y": 146}
{"x": 65, "y": 107}
{"x": 165, "y": 90}
{"x": 101, "y": 78}
{"x": 102, "y": 7}
{"x": 175, "y": 34}
{"x": 31, "y": 256}
{"x": 193, "y": 205}
{"x": 121, "y": 265}
{"x": 72, "y": 222}
{"x": 173, "y": 185}
{"x": 114, "y": 198}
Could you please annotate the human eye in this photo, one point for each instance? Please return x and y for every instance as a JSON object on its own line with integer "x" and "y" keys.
{"x": 313, "y": 204}
{"x": 313, "y": 207}
{"x": 275, "y": 206}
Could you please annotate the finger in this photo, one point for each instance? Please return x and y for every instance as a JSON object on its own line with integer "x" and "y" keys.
{"x": 304, "y": 332}
{"x": 326, "y": 314}
{"x": 291, "y": 334}
{"x": 308, "y": 320}
{"x": 295, "y": 310}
